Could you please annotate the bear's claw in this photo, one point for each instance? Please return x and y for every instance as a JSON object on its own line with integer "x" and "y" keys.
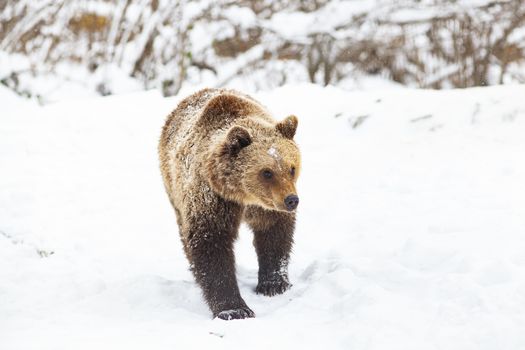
{"x": 236, "y": 314}
{"x": 271, "y": 288}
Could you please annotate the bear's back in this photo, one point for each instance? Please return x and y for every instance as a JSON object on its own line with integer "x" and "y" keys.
{"x": 207, "y": 111}
{"x": 184, "y": 115}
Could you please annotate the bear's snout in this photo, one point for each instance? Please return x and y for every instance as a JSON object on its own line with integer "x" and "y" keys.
{"x": 291, "y": 202}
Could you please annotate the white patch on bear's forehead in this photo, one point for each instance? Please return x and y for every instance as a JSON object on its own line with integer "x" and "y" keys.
{"x": 274, "y": 153}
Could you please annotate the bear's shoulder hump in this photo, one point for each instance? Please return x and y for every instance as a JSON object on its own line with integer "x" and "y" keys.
{"x": 227, "y": 106}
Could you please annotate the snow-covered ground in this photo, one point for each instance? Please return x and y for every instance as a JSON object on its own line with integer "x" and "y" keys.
{"x": 411, "y": 227}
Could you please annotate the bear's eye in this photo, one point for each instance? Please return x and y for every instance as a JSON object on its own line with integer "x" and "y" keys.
{"x": 292, "y": 171}
{"x": 267, "y": 174}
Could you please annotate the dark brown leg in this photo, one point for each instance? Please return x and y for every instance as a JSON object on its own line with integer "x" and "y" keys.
{"x": 181, "y": 228}
{"x": 273, "y": 239}
{"x": 210, "y": 248}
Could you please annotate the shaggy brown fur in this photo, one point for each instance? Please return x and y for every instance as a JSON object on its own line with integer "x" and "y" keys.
{"x": 224, "y": 159}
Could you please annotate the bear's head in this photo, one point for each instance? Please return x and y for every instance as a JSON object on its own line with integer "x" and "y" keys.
{"x": 257, "y": 163}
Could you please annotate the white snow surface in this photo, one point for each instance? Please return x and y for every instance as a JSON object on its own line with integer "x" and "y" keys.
{"x": 410, "y": 231}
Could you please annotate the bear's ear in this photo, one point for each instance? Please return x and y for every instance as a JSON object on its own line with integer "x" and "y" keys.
{"x": 288, "y": 126}
{"x": 237, "y": 138}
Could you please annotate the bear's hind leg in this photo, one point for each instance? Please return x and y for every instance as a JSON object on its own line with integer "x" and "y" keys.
{"x": 210, "y": 249}
{"x": 273, "y": 240}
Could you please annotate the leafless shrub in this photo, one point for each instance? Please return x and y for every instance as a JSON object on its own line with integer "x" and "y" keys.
{"x": 240, "y": 42}
{"x": 463, "y": 48}
{"x": 476, "y": 41}
{"x": 460, "y": 46}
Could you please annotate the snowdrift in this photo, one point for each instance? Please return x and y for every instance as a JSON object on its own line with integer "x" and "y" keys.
{"x": 410, "y": 229}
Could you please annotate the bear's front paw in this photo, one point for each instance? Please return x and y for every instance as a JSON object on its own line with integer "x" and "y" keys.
{"x": 236, "y": 314}
{"x": 273, "y": 287}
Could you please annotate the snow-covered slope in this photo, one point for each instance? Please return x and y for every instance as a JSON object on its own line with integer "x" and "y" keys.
{"x": 411, "y": 227}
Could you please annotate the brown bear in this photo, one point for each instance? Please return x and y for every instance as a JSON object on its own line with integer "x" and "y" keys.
{"x": 224, "y": 159}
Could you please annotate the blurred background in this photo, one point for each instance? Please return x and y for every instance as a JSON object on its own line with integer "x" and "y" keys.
{"x": 54, "y": 49}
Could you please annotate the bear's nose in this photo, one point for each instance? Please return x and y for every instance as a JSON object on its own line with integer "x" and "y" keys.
{"x": 291, "y": 202}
